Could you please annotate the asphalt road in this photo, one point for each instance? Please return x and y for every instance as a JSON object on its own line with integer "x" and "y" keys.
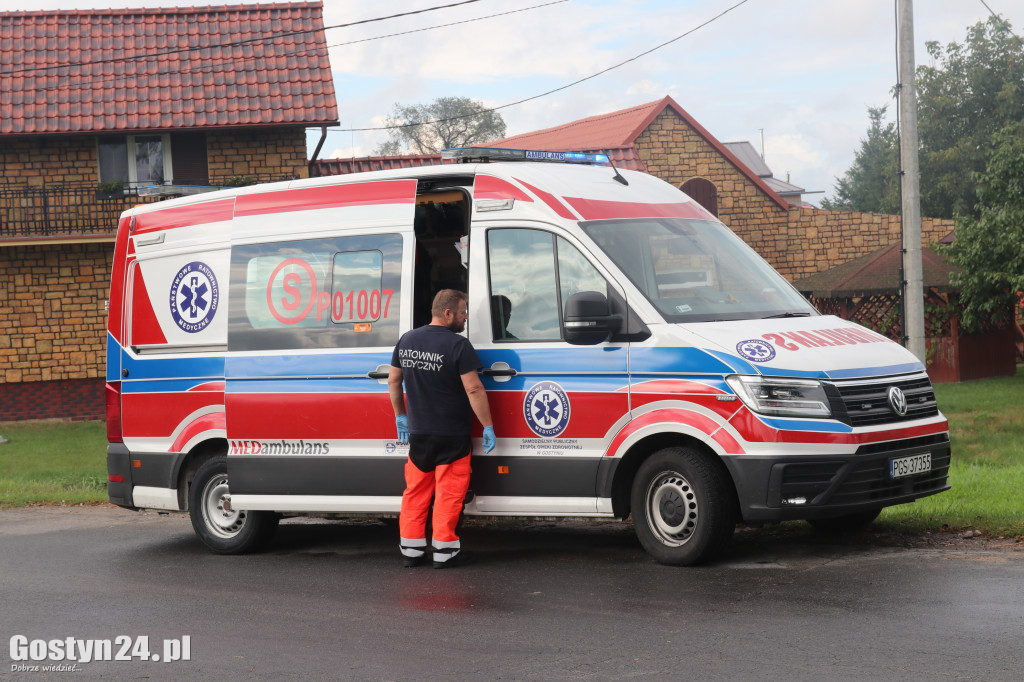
{"x": 576, "y": 601}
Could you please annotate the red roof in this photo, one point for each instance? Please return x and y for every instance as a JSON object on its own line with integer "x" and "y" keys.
{"x": 876, "y": 273}
{"x": 619, "y": 131}
{"x": 77, "y": 71}
{"x": 374, "y": 163}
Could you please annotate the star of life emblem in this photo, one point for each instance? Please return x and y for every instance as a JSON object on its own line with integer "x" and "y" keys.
{"x": 194, "y": 297}
{"x": 546, "y": 409}
{"x": 755, "y": 350}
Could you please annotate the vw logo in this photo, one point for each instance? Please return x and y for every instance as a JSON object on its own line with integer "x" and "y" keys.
{"x": 898, "y": 401}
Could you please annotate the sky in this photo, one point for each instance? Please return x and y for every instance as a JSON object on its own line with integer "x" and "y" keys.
{"x": 800, "y": 72}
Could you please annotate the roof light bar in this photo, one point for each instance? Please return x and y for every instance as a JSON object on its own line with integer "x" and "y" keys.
{"x": 487, "y": 154}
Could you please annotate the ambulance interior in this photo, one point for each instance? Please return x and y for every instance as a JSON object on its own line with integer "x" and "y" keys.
{"x": 442, "y": 243}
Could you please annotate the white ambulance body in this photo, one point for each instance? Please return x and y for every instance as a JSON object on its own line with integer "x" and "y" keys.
{"x": 638, "y": 357}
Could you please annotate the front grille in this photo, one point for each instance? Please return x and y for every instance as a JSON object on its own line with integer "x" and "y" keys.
{"x": 867, "y": 403}
{"x": 869, "y": 481}
{"x": 864, "y": 477}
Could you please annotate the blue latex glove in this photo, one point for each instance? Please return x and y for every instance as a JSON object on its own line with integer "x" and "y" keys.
{"x": 402, "y": 424}
{"x": 489, "y": 439}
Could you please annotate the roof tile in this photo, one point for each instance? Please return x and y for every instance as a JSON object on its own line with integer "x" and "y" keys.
{"x": 107, "y": 64}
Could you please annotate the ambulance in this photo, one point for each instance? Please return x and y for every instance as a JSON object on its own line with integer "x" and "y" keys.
{"x": 640, "y": 360}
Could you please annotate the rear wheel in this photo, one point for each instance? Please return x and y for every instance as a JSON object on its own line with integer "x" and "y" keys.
{"x": 846, "y": 522}
{"x": 221, "y": 528}
{"x": 683, "y": 506}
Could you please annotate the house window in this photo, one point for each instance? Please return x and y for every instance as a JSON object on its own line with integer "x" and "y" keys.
{"x": 136, "y": 160}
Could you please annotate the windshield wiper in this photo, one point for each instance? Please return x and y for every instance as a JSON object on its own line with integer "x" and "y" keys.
{"x": 789, "y": 314}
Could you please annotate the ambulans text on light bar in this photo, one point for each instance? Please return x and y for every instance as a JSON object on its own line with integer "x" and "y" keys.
{"x": 469, "y": 154}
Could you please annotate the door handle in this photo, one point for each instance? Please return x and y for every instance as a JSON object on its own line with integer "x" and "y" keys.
{"x": 380, "y": 373}
{"x": 500, "y": 371}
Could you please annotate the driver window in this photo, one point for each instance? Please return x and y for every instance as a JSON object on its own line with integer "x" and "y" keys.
{"x": 532, "y": 274}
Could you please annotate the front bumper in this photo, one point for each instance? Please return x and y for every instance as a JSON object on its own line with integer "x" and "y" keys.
{"x": 836, "y": 485}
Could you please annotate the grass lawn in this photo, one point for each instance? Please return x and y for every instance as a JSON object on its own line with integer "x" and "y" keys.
{"x": 986, "y": 420}
{"x": 65, "y": 463}
{"x": 53, "y": 463}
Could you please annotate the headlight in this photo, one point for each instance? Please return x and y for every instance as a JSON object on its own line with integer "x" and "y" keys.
{"x": 781, "y": 396}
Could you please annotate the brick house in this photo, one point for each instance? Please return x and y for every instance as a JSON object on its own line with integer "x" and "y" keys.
{"x": 105, "y": 109}
{"x": 662, "y": 139}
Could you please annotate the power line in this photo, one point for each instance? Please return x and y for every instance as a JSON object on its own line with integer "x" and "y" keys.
{"x": 550, "y": 92}
{"x": 999, "y": 18}
{"x": 223, "y": 62}
{"x": 235, "y": 43}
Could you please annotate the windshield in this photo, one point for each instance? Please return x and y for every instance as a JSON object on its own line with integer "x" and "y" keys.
{"x": 696, "y": 270}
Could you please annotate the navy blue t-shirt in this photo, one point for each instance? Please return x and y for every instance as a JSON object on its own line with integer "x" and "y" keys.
{"x": 433, "y": 359}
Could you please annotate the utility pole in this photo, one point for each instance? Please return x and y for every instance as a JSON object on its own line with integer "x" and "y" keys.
{"x": 910, "y": 179}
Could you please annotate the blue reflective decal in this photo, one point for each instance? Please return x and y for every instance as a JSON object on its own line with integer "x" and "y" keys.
{"x": 568, "y": 360}
{"x": 163, "y": 385}
{"x": 876, "y": 371}
{"x": 306, "y": 385}
{"x": 154, "y": 367}
{"x": 113, "y": 358}
{"x": 333, "y": 364}
{"x": 680, "y": 360}
{"x": 825, "y": 426}
{"x": 783, "y": 372}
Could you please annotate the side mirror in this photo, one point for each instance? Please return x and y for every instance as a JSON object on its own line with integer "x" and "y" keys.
{"x": 588, "y": 320}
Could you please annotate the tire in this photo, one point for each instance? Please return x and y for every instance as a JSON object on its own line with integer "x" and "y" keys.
{"x": 221, "y": 529}
{"x": 847, "y": 522}
{"x": 683, "y": 506}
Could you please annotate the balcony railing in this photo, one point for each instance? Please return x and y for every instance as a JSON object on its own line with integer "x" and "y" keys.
{"x": 82, "y": 209}
{"x": 56, "y": 210}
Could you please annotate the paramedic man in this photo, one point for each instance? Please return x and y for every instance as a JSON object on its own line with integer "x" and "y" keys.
{"x": 443, "y": 392}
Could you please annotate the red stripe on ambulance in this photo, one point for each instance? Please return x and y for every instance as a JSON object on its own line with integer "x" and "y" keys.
{"x": 334, "y": 196}
{"x": 597, "y": 209}
{"x": 184, "y": 216}
{"x": 490, "y": 187}
{"x": 208, "y": 422}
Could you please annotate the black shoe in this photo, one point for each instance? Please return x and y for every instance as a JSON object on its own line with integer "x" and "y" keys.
{"x": 413, "y": 561}
{"x": 462, "y": 558}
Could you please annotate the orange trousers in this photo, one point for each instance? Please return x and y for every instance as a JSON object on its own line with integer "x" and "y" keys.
{"x": 446, "y": 486}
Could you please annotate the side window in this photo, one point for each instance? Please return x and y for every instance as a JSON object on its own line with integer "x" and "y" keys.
{"x": 323, "y": 293}
{"x": 532, "y": 274}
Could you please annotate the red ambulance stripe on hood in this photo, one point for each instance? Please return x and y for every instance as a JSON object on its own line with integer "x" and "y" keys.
{"x": 333, "y": 196}
{"x": 490, "y": 187}
{"x": 145, "y": 327}
{"x": 184, "y": 216}
{"x": 551, "y": 200}
{"x": 597, "y": 209}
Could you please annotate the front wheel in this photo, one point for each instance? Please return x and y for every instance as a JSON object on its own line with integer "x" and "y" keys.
{"x": 683, "y": 506}
{"x": 221, "y": 528}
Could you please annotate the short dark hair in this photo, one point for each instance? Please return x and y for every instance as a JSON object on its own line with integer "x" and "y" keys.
{"x": 447, "y": 299}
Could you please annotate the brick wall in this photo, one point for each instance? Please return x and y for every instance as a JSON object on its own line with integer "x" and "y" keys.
{"x": 797, "y": 242}
{"x": 52, "y": 311}
{"x": 71, "y": 398}
{"x": 50, "y": 160}
{"x": 257, "y": 153}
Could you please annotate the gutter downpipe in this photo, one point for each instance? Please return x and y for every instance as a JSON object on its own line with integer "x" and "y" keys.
{"x": 319, "y": 146}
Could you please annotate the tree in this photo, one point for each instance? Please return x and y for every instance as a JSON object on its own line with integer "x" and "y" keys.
{"x": 444, "y": 123}
{"x": 871, "y": 183}
{"x": 972, "y": 91}
{"x": 968, "y": 93}
{"x": 989, "y": 248}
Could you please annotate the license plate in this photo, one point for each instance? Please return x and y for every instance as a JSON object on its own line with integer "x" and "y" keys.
{"x": 908, "y": 466}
